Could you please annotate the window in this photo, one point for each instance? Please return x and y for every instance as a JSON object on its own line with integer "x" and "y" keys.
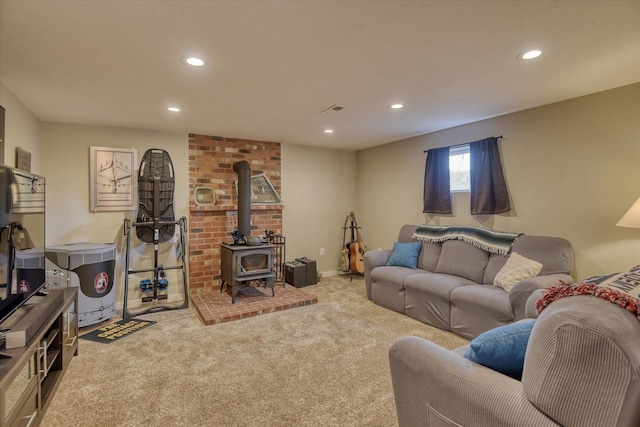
{"x": 459, "y": 169}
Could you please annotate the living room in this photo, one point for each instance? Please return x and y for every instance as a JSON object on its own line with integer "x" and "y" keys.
{"x": 571, "y": 164}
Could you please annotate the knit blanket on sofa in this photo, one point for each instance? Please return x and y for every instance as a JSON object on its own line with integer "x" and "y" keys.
{"x": 492, "y": 241}
{"x": 622, "y": 289}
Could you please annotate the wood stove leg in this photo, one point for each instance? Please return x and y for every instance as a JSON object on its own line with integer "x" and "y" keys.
{"x": 270, "y": 283}
{"x": 234, "y": 291}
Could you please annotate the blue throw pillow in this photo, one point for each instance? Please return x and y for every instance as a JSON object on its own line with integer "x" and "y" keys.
{"x": 405, "y": 255}
{"x": 502, "y": 349}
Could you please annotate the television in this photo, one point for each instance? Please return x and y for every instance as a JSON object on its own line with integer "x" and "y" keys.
{"x": 22, "y": 239}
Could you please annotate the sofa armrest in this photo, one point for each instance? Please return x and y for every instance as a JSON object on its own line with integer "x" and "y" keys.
{"x": 433, "y": 386}
{"x": 373, "y": 259}
{"x": 530, "y": 310}
{"x": 522, "y": 290}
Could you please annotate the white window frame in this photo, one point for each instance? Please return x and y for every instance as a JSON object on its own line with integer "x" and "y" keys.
{"x": 454, "y": 152}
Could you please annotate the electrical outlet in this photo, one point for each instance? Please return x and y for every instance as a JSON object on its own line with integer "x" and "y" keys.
{"x": 321, "y": 251}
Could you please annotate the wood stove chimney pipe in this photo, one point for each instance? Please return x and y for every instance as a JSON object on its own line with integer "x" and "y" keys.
{"x": 243, "y": 169}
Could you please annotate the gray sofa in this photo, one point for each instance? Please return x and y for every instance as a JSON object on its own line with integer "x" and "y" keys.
{"x": 452, "y": 288}
{"x": 580, "y": 370}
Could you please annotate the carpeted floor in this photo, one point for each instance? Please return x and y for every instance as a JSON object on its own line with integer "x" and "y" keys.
{"x": 324, "y": 364}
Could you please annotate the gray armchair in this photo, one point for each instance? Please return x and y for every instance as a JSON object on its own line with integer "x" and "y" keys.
{"x": 582, "y": 368}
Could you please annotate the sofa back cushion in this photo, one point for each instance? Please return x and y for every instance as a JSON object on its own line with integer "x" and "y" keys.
{"x": 554, "y": 253}
{"x": 495, "y": 264}
{"x": 429, "y": 256}
{"x": 406, "y": 233}
{"x": 459, "y": 258}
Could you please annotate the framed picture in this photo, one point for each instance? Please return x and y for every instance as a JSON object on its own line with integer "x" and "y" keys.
{"x": 27, "y": 192}
{"x": 23, "y": 159}
{"x": 112, "y": 182}
{"x": 262, "y": 191}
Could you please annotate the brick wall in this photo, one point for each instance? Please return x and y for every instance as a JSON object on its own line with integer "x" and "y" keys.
{"x": 211, "y": 160}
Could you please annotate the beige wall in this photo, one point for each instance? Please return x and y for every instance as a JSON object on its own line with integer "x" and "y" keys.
{"x": 572, "y": 169}
{"x": 66, "y": 148}
{"x": 313, "y": 208}
{"x": 315, "y": 188}
{"x": 22, "y": 129}
{"x": 318, "y": 191}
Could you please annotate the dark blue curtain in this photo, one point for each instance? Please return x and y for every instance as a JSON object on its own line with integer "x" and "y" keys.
{"x": 437, "y": 197}
{"x": 489, "y": 193}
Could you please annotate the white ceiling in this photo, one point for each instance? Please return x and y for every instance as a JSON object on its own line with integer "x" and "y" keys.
{"x": 274, "y": 66}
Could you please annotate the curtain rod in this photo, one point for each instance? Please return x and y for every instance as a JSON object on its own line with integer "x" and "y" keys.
{"x": 465, "y": 143}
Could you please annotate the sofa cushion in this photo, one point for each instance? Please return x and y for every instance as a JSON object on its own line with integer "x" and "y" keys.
{"x": 496, "y": 262}
{"x": 516, "y": 268}
{"x": 428, "y": 297}
{"x": 554, "y": 253}
{"x": 406, "y": 233}
{"x": 405, "y": 255}
{"x": 429, "y": 255}
{"x": 477, "y": 308}
{"x": 459, "y": 258}
{"x": 503, "y": 348}
{"x": 387, "y": 286}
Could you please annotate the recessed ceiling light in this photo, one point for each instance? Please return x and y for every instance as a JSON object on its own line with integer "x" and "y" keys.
{"x": 196, "y": 62}
{"x": 173, "y": 109}
{"x": 532, "y": 54}
{"x": 396, "y": 106}
{"x": 328, "y": 131}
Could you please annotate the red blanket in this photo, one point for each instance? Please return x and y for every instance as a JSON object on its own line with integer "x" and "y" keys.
{"x": 622, "y": 289}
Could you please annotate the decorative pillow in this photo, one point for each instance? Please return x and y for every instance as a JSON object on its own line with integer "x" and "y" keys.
{"x": 503, "y": 348}
{"x": 405, "y": 255}
{"x": 516, "y": 268}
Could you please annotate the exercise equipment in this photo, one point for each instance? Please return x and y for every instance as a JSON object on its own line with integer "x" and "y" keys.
{"x": 155, "y": 224}
{"x": 91, "y": 267}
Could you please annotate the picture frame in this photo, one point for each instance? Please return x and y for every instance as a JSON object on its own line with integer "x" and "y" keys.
{"x": 112, "y": 180}
{"x": 23, "y": 159}
{"x": 27, "y": 192}
{"x": 262, "y": 191}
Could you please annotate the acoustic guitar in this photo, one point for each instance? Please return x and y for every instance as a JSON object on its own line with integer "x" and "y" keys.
{"x": 343, "y": 256}
{"x": 356, "y": 249}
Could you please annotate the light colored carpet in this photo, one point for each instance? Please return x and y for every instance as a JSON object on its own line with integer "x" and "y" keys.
{"x": 319, "y": 365}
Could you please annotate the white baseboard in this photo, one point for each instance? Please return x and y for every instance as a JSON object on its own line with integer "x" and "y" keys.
{"x": 338, "y": 273}
{"x": 329, "y": 273}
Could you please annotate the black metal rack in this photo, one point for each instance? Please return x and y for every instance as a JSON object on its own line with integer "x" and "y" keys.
{"x": 152, "y": 294}
{"x": 279, "y": 253}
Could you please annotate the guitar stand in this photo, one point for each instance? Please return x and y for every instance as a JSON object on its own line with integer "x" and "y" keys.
{"x": 354, "y": 231}
{"x": 154, "y": 290}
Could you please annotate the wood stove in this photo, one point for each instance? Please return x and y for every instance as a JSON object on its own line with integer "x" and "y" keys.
{"x": 244, "y": 264}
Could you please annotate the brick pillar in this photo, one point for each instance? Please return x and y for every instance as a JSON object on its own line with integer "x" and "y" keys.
{"x": 211, "y": 159}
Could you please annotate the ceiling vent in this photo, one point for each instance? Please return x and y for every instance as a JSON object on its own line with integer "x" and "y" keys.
{"x": 332, "y": 108}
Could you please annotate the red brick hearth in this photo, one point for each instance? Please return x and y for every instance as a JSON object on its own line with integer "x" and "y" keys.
{"x": 215, "y": 307}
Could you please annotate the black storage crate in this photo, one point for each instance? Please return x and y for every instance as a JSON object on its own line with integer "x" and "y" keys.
{"x": 295, "y": 274}
{"x": 311, "y": 271}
